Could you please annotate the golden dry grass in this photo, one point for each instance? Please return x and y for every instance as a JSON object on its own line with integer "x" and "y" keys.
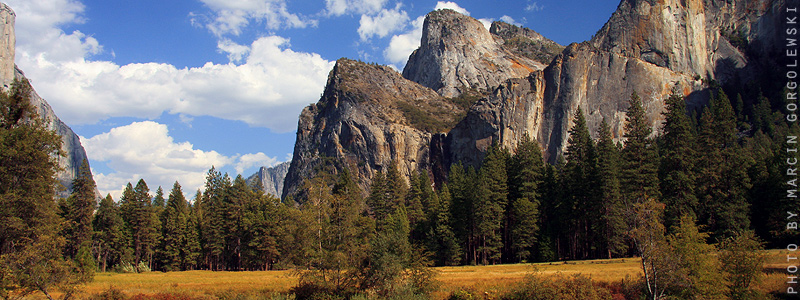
{"x": 193, "y": 283}
{"x": 490, "y": 279}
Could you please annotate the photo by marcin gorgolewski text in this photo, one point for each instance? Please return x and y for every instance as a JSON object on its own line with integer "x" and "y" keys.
{"x": 790, "y": 23}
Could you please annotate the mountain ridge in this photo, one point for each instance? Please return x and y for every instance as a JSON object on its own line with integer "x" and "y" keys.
{"x": 653, "y": 48}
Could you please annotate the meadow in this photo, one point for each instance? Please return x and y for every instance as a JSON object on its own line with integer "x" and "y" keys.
{"x": 486, "y": 280}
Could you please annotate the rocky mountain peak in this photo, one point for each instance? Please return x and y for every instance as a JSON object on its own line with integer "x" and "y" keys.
{"x": 468, "y": 87}
{"x": 458, "y": 54}
{"x": 526, "y": 42}
{"x": 270, "y": 178}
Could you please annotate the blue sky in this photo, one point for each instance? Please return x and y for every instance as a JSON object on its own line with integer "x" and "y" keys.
{"x": 163, "y": 90}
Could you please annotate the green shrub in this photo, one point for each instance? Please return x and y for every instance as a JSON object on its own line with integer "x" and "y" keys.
{"x": 461, "y": 295}
{"x": 558, "y": 287}
{"x": 112, "y": 293}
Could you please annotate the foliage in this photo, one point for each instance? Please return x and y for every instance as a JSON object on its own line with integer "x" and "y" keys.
{"x": 559, "y": 286}
{"x": 743, "y": 261}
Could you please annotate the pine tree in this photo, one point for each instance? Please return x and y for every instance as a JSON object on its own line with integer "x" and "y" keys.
{"x": 77, "y": 211}
{"x": 490, "y": 205}
{"x": 608, "y": 173}
{"x": 28, "y": 165}
{"x": 175, "y": 230}
{"x": 639, "y": 180}
{"x": 140, "y": 221}
{"x": 109, "y": 234}
{"x": 31, "y": 250}
{"x": 580, "y": 207}
{"x": 462, "y": 183}
{"x": 722, "y": 177}
{"x": 677, "y": 171}
{"x": 158, "y": 201}
{"x": 526, "y": 173}
{"x": 441, "y": 238}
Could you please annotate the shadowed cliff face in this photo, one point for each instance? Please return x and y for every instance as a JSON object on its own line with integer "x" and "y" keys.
{"x": 365, "y": 118}
{"x": 71, "y": 144}
{"x": 368, "y": 117}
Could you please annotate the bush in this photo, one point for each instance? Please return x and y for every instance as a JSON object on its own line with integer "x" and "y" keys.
{"x": 314, "y": 291}
{"x": 112, "y": 293}
{"x": 561, "y": 287}
{"x": 126, "y": 267}
{"x": 461, "y": 295}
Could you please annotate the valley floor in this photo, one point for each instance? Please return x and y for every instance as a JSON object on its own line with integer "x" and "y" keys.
{"x": 487, "y": 280}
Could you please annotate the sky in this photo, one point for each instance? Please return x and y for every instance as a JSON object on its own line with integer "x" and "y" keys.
{"x": 163, "y": 90}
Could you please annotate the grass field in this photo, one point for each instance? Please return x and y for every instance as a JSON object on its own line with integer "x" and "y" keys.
{"x": 490, "y": 280}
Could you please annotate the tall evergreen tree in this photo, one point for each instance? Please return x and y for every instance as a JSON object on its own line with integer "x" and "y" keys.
{"x": 442, "y": 240}
{"x": 639, "y": 178}
{"x": 109, "y": 234}
{"x": 175, "y": 231}
{"x": 491, "y": 204}
{"x": 77, "y": 211}
{"x": 464, "y": 194}
{"x": 722, "y": 177}
{"x": 580, "y": 207}
{"x": 526, "y": 173}
{"x": 677, "y": 171}
{"x": 613, "y": 226}
{"x": 30, "y": 248}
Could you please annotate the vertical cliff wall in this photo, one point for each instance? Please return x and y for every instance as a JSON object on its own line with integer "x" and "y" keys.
{"x": 71, "y": 144}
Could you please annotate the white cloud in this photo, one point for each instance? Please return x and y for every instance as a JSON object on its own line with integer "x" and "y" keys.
{"x": 145, "y": 150}
{"x": 259, "y": 92}
{"x": 341, "y": 7}
{"x": 382, "y": 24}
{"x": 402, "y": 45}
{"x": 231, "y": 16}
{"x": 254, "y": 160}
{"x": 510, "y": 20}
{"x": 235, "y": 51}
{"x": 534, "y": 6}
{"x": 451, "y": 5}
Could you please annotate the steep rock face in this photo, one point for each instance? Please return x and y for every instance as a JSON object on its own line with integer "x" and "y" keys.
{"x": 650, "y": 47}
{"x": 368, "y": 117}
{"x": 271, "y": 178}
{"x": 71, "y": 144}
{"x": 457, "y": 54}
{"x": 526, "y": 42}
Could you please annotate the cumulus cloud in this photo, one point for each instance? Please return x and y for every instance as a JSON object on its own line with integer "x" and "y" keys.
{"x": 451, "y": 5}
{"x": 402, "y": 45}
{"x": 510, "y": 20}
{"x": 146, "y": 150}
{"x": 382, "y": 24}
{"x": 341, "y": 7}
{"x": 254, "y": 160}
{"x": 258, "y": 91}
{"x": 231, "y": 16}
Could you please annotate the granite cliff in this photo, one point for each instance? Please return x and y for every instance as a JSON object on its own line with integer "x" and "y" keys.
{"x": 271, "y": 178}
{"x": 368, "y": 117}
{"x": 508, "y": 81}
{"x": 71, "y": 144}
